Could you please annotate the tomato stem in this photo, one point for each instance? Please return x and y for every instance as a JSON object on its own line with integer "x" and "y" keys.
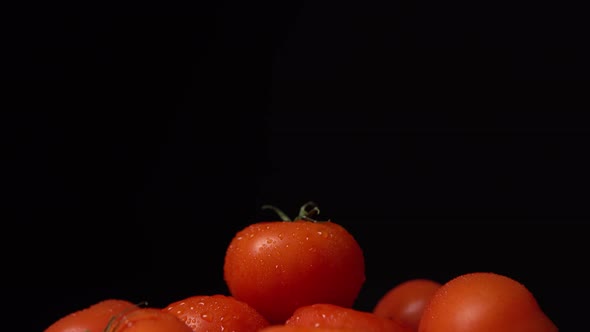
{"x": 278, "y": 211}
{"x": 306, "y": 211}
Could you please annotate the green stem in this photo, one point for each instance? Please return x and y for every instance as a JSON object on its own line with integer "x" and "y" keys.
{"x": 278, "y": 211}
{"x": 306, "y": 212}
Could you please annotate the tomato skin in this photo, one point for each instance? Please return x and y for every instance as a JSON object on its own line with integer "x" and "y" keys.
{"x": 217, "y": 313}
{"x": 290, "y": 328}
{"x": 324, "y": 315}
{"x": 484, "y": 302}
{"x": 148, "y": 320}
{"x": 91, "y": 319}
{"x": 406, "y": 301}
{"x": 278, "y": 266}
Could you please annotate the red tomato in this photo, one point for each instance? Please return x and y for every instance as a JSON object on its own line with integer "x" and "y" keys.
{"x": 278, "y": 266}
{"x": 148, "y": 320}
{"x": 217, "y": 313}
{"x": 322, "y": 315}
{"x": 290, "y": 328}
{"x": 92, "y": 319}
{"x": 484, "y": 302}
{"x": 406, "y": 301}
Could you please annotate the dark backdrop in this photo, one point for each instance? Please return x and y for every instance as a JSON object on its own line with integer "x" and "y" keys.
{"x": 137, "y": 139}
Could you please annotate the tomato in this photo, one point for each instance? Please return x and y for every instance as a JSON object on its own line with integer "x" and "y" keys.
{"x": 91, "y": 319}
{"x": 290, "y": 328}
{"x": 406, "y": 301}
{"x": 148, "y": 320}
{"x": 278, "y": 266}
{"x": 217, "y": 313}
{"x": 326, "y": 315}
{"x": 484, "y": 302}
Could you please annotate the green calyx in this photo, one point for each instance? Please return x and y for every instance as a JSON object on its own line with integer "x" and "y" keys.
{"x": 306, "y": 212}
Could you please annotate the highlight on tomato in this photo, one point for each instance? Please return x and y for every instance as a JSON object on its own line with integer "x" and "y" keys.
{"x": 484, "y": 302}
{"x": 325, "y": 315}
{"x": 146, "y": 319}
{"x": 91, "y": 319}
{"x": 278, "y": 266}
{"x": 217, "y": 312}
{"x": 290, "y": 328}
{"x": 405, "y": 302}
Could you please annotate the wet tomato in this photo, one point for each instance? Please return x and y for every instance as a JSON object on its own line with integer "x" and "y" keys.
{"x": 91, "y": 319}
{"x": 217, "y": 313}
{"x": 279, "y": 266}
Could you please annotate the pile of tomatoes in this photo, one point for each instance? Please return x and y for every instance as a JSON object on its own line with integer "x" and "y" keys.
{"x": 305, "y": 275}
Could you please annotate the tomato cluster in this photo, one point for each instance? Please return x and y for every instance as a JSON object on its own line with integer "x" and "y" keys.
{"x": 305, "y": 275}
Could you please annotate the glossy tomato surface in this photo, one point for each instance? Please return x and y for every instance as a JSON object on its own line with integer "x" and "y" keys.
{"x": 406, "y": 301}
{"x": 148, "y": 320}
{"x": 217, "y": 313}
{"x": 279, "y": 266}
{"x": 484, "y": 302}
{"x": 332, "y": 316}
{"x": 92, "y": 319}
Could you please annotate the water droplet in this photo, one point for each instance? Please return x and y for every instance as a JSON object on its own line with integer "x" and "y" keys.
{"x": 239, "y": 237}
{"x": 277, "y": 266}
{"x": 206, "y": 317}
{"x": 269, "y": 241}
{"x": 280, "y": 236}
{"x": 316, "y": 325}
{"x": 306, "y": 238}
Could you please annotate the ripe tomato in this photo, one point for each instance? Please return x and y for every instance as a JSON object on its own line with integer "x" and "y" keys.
{"x": 290, "y": 328}
{"x": 91, "y": 319}
{"x": 217, "y": 313}
{"x": 406, "y": 301}
{"x": 323, "y": 315}
{"x": 278, "y": 266}
{"x": 148, "y": 320}
{"x": 484, "y": 302}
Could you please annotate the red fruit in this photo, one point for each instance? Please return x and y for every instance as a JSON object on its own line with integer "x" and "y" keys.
{"x": 217, "y": 313}
{"x": 406, "y": 301}
{"x": 148, "y": 320}
{"x": 332, "y": 316}
{"x": 278, "y": 266}
{"x": 484, "y": 302}
{"x": 91, "y": 319}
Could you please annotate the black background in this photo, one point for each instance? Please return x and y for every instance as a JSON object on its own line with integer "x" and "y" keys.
{"x": 138, "y": 138}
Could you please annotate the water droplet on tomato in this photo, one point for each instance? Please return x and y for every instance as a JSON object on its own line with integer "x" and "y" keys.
{"x": 207, "y": 317}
